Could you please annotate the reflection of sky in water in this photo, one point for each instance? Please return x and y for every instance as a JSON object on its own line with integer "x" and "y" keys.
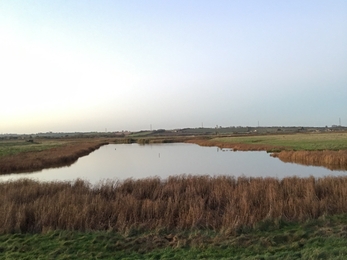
{"x": 123, "y": 161}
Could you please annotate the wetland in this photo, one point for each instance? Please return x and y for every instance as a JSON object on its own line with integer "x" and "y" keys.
{"x": 211, "y": 201}
{"x": 121, "y": 161}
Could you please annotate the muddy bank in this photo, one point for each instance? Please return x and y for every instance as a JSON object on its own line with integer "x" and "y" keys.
{"x": 50, "y": 158}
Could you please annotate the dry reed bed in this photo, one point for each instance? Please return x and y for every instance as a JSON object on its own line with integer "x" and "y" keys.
{"x": 333, "y": 160}
{"x": 182, "y": 203}
{"x": 55, "y": 157}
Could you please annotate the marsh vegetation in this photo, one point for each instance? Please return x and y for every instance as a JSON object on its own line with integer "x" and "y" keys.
{"x": 222, "y": 203}
{"x": 192, "y": 217}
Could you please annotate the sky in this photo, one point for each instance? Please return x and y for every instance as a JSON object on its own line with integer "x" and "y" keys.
{"x": 106, "y": 65}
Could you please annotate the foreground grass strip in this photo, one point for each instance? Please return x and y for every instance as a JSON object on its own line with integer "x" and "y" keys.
{"x": 324, "y": 238}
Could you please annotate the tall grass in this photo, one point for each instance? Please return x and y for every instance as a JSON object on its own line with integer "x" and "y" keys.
{"x": 177, "y": 203}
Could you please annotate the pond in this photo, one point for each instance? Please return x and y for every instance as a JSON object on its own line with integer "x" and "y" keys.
{"x": 121, "y": 161}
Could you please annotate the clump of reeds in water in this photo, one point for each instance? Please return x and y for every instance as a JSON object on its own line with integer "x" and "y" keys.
{"x": 177, "y": 203}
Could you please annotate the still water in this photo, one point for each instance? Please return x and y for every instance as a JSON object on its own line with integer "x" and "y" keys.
{"x": 121, "y": 161}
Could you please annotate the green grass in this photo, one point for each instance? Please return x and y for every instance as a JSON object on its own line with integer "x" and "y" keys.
{"x": 15, "y": 147}
{"x": 310, "y": 142}
{"x": 140, "y": 134}
{"x": 324, "y": 238}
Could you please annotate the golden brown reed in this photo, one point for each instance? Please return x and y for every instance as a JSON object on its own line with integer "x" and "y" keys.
{"x": 333, "y": 160}
{"x": 177, "y": 203}
{"x": 54, "y": 157}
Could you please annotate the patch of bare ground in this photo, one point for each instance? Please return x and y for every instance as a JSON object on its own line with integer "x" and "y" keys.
{"x": 55, "y": 157}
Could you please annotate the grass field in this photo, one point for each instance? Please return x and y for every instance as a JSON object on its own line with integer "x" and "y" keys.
{"x": 8, "y": 148}
{"x": 306, "y": 142}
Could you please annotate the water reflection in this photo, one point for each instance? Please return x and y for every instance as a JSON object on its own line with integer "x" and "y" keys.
{"x": 121, "y": 161}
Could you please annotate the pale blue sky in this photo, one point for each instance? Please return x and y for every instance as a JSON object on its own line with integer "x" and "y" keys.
{"x": 126, "y": 65}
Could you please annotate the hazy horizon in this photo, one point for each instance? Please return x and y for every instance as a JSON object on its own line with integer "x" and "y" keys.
{"x": 173, "y": 129}
{"x": 83, "y": 66}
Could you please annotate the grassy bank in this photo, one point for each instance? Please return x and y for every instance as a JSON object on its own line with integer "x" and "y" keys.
{"x": 324, "y": 238}
{"x": 23, "y": 156}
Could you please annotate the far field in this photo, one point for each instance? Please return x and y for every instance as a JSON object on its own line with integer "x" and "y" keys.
{"x": 13, "y": 147}
{"x": 306, "y": 141}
